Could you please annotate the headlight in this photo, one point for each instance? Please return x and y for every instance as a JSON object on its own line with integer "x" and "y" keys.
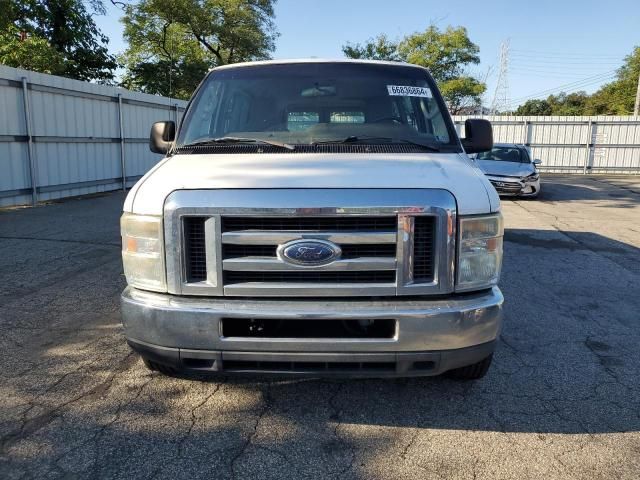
{"x": 142, "y": 252}
{"x": 480, "y": 252}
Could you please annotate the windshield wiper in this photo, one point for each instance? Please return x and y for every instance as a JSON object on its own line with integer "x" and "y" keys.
{"x": 365, "y": 138}
{"x": 219, "y": 140}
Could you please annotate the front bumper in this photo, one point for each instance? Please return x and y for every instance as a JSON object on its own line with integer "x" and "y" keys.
{"x": 520, "y": 187}
{"x": 432, "y": 335}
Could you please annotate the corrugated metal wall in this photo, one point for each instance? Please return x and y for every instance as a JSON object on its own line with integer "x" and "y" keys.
{"x": 600, "y": 144}
{"x": 72, "y": 143}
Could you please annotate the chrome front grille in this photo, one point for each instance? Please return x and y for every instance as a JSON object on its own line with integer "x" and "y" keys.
{"x": 423, "y": 252}
{"x": 312, "y": 224}
{"x": 348, "y": 250}
{"x": 249, "y": 250}
{"x": 195, "y": 249}
{"x": 393, "y": 242}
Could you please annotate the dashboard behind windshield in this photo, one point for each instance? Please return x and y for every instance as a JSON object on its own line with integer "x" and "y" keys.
{"x": 307, "y": 103}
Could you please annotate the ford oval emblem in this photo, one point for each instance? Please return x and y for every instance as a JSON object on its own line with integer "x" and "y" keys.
{"x": 310, "y": 253}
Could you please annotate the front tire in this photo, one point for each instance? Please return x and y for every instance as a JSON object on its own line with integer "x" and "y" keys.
{"x": 471, "y": 372}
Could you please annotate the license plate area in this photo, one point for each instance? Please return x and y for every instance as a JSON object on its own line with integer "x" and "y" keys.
{"x": 308, "y": 329}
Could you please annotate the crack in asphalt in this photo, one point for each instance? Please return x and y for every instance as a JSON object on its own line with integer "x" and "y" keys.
{"x": 336, "y": 418}
{"x": 408, "y": 446}
{"x": 31, "y": 426}
{"x": 194, "y": 417}
{"x": 266, "y": 405}
{"x": 97, "y": 467}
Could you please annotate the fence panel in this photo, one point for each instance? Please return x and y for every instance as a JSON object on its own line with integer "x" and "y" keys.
{"x": 598, "y": 144}
{"x": 73, "y": 142}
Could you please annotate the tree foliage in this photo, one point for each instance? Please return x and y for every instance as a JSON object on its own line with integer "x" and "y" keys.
{"x": 614, "y": 98}
{"x": 172, "y": 43}
{"x": 618, "y": 97}
{"x": 29, "y": 52}
{"x": 534, "y": 107}
{"x": 54, "y": 36}
{"x": 447, "y": 54}
{"x": 379, "y": 48}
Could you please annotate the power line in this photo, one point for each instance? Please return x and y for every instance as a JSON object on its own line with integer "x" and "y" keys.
{"x": 542, "y": 74}
{"x": 538, "y": 53}
{"x": 583, "y": 82}
{"x": 562, "y": 88}
{"x": 565, "y": 64}
{"x": 565, "y": 91}
{"x": 530, "y": 58}
{"x": 561, "y": 62}
{"x": 575, "y": 89}
{"x": 571, "y": 73}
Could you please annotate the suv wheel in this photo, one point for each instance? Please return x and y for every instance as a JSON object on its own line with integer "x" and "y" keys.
{"x": 471, "y": 372}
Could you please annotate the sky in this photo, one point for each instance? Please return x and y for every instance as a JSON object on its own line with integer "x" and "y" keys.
{"x": 561, "y": 45}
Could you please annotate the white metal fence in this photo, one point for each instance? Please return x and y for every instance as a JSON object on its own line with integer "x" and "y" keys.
{"x": 601, "y": 144}
{"x": 62, "y": 137}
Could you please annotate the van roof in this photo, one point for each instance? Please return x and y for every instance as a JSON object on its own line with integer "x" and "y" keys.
{"x": 314, "y": 60}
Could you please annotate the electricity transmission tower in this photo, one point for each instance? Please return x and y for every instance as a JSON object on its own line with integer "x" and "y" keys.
{"x": 500, "y": 101}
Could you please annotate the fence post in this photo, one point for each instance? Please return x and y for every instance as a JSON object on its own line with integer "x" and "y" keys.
{"x": 587, "y": 159}
{"x": 123, "y": 161}
{"x": 32, "y": 160}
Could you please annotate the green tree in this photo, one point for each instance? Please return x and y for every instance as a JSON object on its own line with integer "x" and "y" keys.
{"x": 172, "y": 43}
{"x": 534, "y": 107}
{"x": 447, "y": 54}
{"x": 29, "y": 52}
{"x": 379, "y": 48}
{"x": 60, "y": 36}
{"x": 618, "y": 97}
{"x": 568, "y": 104}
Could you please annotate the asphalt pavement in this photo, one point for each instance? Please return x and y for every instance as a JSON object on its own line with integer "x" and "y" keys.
{"x": 562, "y": 399}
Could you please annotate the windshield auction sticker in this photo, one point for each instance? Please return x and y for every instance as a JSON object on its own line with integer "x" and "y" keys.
{"x": 403, "y": 91}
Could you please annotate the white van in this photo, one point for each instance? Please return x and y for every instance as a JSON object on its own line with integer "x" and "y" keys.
{"x": 317, "y": 218}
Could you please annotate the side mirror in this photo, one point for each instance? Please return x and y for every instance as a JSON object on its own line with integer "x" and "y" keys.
{"x": 479, "y": 136}
{"x": 537, "y": 161}
{"x": 162, "y": 136}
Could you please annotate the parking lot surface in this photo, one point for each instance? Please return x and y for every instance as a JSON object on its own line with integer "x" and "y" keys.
{"x": 562, "y": 399}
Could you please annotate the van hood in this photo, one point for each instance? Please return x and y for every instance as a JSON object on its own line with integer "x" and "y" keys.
{"x": 449, "y": 171}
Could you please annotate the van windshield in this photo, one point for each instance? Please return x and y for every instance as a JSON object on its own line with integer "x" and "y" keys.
{"x": 310, "y": 103}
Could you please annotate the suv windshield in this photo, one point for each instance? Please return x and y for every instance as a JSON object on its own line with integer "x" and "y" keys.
{"x": 504, "y": 154}
{"x": 309, "y": 103}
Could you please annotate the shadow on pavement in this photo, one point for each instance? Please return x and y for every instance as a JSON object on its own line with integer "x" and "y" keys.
{"x": 79, "y": 401}
{"x": 588, "y": 188}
